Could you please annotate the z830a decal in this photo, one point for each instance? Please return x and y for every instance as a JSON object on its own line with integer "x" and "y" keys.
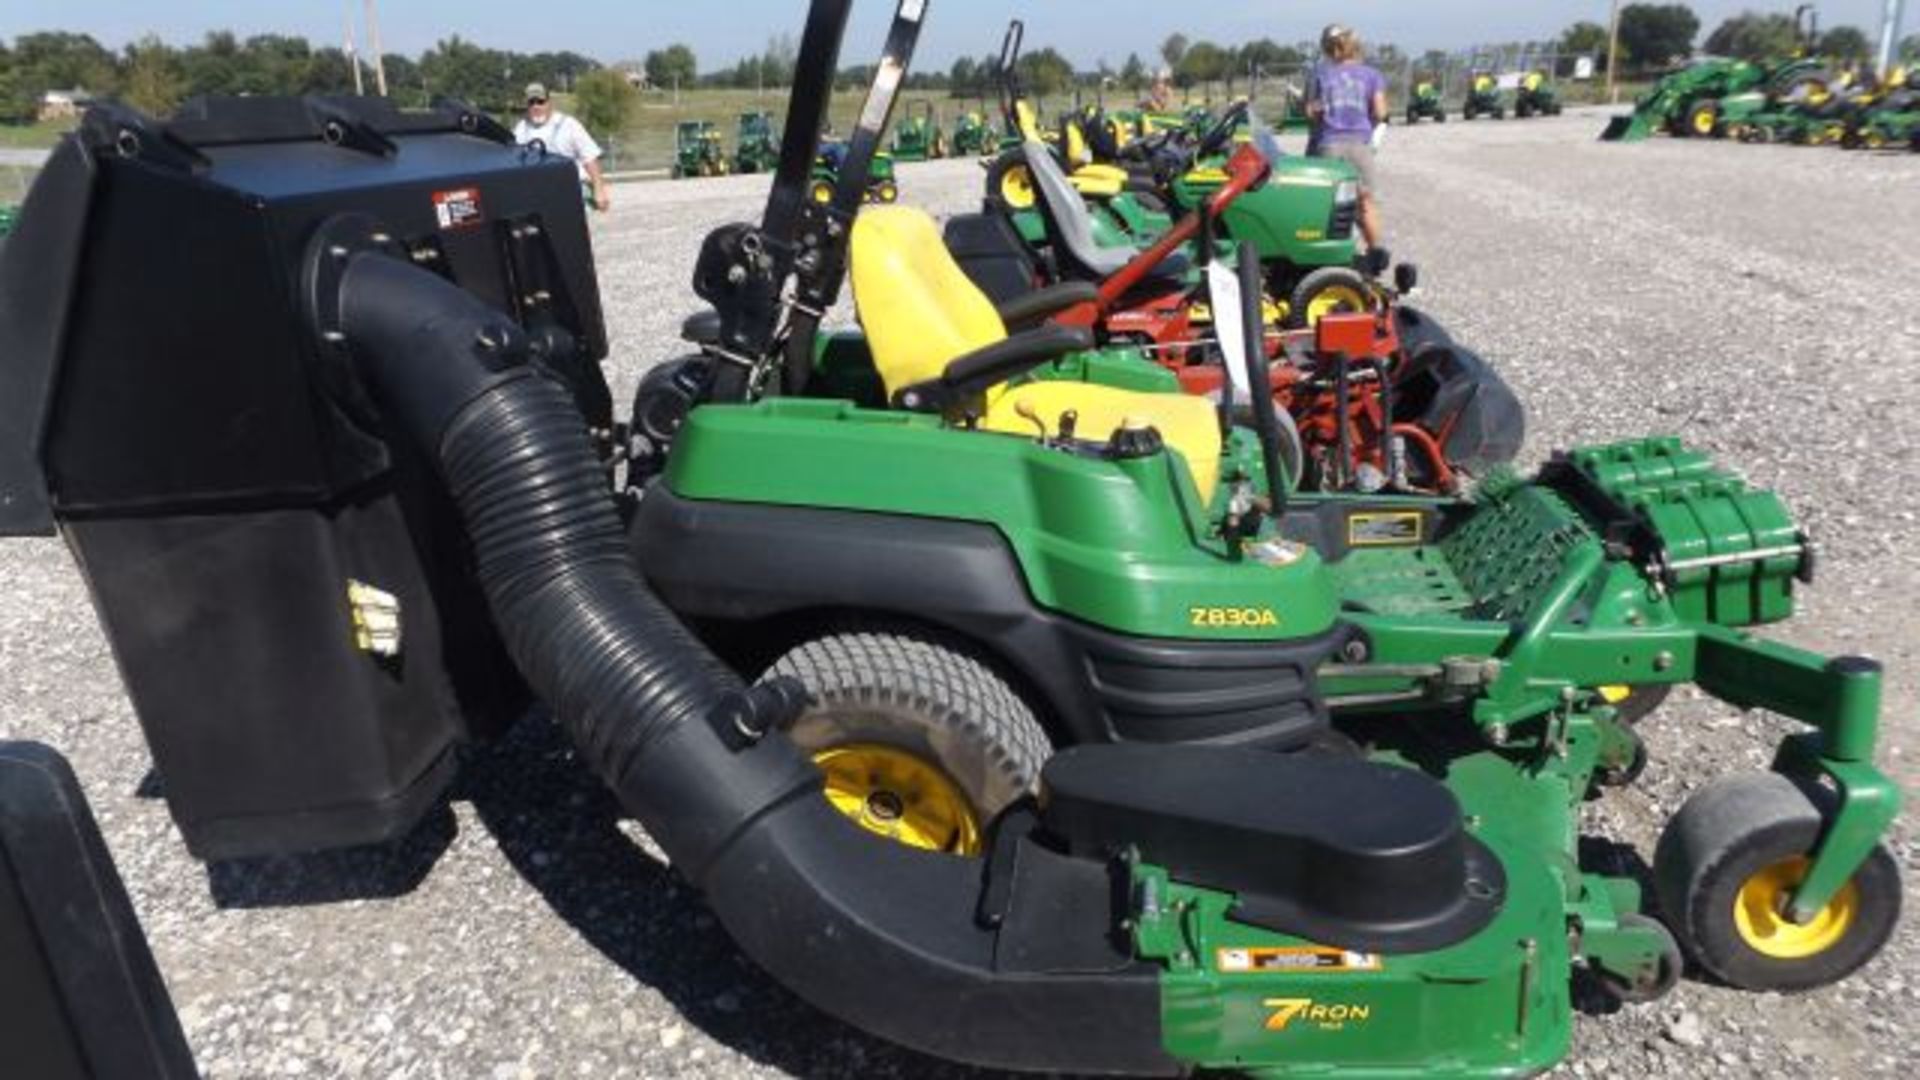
{"x": 1232, "y": 618}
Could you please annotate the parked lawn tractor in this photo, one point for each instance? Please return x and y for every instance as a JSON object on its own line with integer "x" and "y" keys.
{"x": 1717, "y": 97}
{"x": 697, "y": 150}
{"x": 917, "y": 136}
{"x": 758, "y": 150}
{"x": 1484, "y": 97}
{"x": 974, "y": 135}
{"x": 1888, "y": 115}
{"x": 1537, "y": 96}
{"x": 882, "y": 186}
{"x": 1425, "y": 104}
{"x": 1030, "y": 722}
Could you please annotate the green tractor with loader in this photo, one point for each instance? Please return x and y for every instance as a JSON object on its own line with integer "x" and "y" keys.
{"x": 1000, "y": 704}
{"x": 697, "y": 151}
{"x": 1425, "y": 103}
{"x": 757, "y": 149}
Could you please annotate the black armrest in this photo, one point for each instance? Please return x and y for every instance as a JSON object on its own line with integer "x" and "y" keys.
{"x": 974, "y": 373}
{"x": 1028, "y": 310}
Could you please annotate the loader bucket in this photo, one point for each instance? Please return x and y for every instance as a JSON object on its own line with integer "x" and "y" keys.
{"x": 1630, "y": 128}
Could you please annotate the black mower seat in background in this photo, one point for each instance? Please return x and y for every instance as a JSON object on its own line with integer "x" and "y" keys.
{"x": 1336, "y": 850}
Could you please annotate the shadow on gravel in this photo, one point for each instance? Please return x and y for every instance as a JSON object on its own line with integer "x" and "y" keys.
{"x": 561, "y": 830}
{"x": 364, "y": 873}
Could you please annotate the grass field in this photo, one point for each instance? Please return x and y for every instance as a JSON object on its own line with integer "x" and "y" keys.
{"x": 647, "y": 142}
{"x": 32, "y": 136}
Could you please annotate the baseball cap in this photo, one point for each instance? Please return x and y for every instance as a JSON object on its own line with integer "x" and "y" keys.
{"x": 536, "y": 91}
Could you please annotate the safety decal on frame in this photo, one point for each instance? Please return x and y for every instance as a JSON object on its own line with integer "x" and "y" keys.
{"x": 1308, "y": 959}
{"x": 457, "y": 209}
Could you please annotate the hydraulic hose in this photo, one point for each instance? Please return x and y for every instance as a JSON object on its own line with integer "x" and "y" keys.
{"x": 889, "y": 939}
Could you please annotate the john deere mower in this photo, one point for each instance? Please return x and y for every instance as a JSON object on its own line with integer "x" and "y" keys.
{"x": 1425, "y": 104}
{"x": 1716, "y": 96}
{"x": 882, "y": 186}
{"x": 974, "y": 135}
{"x": 1484, "y": 97}
{"x": 1344, "y": 428}
{"x": 918, "y": 136}
{"x": 697, "y": 150}
{"x": 758, "y": 150}
{"x": 1027, "y": 722}
{"x": 1536, "y": 97}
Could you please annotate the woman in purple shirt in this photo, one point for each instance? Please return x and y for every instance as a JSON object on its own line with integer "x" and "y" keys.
{"x": 1347, "y": 101}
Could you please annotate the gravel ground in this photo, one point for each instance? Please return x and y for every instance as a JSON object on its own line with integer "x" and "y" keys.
{"x": 1759, "y": 300}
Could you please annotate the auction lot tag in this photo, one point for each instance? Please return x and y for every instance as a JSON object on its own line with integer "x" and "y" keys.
{"x": 1223, "y": 287}
{"x": 457, "y": 209}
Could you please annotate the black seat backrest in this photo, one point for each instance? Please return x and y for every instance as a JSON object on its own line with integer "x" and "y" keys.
{"x": 992, "y": 255}
{"x": 80, "y": 996}
{"x": 1340, "y": 851}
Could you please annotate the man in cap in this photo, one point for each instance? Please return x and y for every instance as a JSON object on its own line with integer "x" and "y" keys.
{"x": 565, "y": 137}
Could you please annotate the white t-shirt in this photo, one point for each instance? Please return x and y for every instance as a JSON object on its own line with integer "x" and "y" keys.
{"x": 563, "y": 136}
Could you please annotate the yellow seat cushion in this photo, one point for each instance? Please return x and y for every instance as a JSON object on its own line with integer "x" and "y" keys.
{"x": 921, "y": 312}
{"x": 1188, "y": 425}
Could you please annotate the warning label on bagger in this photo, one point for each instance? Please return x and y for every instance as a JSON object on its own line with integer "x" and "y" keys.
{"x": 1305, "y": 959}
{"x": 457, "y": 209}
{"x": 1396, "y": 529}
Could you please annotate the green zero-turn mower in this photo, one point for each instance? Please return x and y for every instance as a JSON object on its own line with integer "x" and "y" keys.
{"x": 918, "y": 136}
{"x": 1484, "y": 97}
{"x": 1425, "y": 103}
{"x": 1536, "y": 96}
{"x": 758, "y": 149}
{"x": 1312, "y": 808}
{"x": 697, "y": 150}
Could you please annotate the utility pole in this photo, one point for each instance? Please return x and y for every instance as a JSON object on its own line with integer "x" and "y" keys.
{"x": 379, "y": 57}
{"x": 1613, "y": 57}
{"x": 1890, "y": 34}
{"x": 353, "y": 57}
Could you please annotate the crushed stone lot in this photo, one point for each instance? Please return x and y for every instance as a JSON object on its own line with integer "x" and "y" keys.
{"x": 1759, "y": 300}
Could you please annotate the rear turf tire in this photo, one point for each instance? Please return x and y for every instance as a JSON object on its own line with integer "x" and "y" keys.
{"x": 1713, "y": 869}
{"x": 925, "y": 695}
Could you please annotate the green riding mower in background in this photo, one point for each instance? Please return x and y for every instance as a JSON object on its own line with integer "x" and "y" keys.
{"x": 883, "y": 183}
{"x": 1484, "y": 97}
{"x": 974, "y": 135}
{"x": 1537, "y": 96}
{"x": 1887, "y": 114}
{"x": 758, "y": 149}
{"x": 8, "y": 215}
{"x": 697, "y": 150}
{"x": 918, "y": 135}
{"x": 998, "y": 704}
{"x": 1302, "y": 222}
{"x": 1425, "y": 103}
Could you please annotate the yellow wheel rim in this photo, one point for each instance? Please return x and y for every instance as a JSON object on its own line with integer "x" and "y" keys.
{"x": 1759, "y": 914}
{"x": 823, "y": 192}
{"x": 899, "y": 795}
{"x": 1334, "y": 300}
{"x": 1703, "y": 122}
{"x": 1016, "y": 187}
{"x": 1614, "y": 695}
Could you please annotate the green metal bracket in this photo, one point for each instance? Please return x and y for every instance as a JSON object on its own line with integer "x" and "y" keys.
{"x": 1868, "y": 802}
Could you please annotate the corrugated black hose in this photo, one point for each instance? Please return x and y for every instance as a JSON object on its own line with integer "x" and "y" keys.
{"x": 619, "y": 670}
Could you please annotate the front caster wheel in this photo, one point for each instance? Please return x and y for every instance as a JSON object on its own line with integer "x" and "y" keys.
{"x": 1726, "y": 869}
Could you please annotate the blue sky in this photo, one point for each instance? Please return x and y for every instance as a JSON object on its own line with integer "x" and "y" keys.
{"x": 723, "y": 30}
